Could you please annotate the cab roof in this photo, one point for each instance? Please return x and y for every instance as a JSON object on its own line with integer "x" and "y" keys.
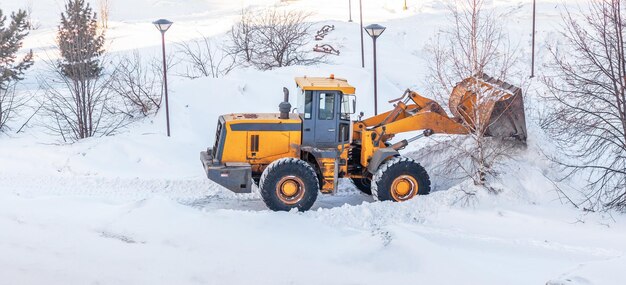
{"x": 325, "y": 84}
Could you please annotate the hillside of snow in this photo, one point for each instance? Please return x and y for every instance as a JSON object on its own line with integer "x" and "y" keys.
{"x": 136, "y": 207}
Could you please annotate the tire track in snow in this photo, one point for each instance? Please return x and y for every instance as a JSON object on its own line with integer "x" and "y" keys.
{"x": 197, "y": 192}
{"x": 120, "y": 189}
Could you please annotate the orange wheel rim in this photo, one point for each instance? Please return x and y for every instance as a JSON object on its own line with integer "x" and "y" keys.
{"x": 404, "y": 187}
{"x": 290, "y": 190}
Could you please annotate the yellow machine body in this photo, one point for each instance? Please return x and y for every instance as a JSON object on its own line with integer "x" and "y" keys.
{"x": 264, "y": 137}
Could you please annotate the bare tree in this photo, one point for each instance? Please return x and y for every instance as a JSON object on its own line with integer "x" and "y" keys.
{"x": 105, "y": 9}
{"x": 79, "y": 111}
{"x": 29, "y": 15}
{"x": 241, "y": 35}
{"x": 280, "y": 38}
{"x": 205, "y": 60}
{"x": 588, "y": 101}
{"x": 273, "y": 38}
{"x": 138, "y": 84}
{"x": 156, "y": 65}
{"x": 473, "y": 46}
{"x": 32, "y": 23}
{"x": 9, "y": 104}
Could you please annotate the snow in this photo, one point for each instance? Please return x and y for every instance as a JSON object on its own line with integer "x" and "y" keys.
{"x": 135, "y": 208}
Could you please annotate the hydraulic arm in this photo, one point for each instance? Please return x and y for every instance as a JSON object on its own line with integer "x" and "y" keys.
{"x": 479, "y": 104}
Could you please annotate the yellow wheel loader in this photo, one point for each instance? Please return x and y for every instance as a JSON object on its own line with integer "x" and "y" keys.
{"x": 294, "y": 154}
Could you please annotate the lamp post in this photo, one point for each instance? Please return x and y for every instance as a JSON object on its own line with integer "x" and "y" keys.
{"x": 163, "y": 25}
{"x": 375, "y": 30}
{"x": 362, "y": 51}
{"x": 532, "y": 65}
{"x": 405, "y": 6}
{"x": 350, "y": 10}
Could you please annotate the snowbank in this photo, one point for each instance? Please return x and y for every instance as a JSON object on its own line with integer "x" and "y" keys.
{"x": 135, "y": 208}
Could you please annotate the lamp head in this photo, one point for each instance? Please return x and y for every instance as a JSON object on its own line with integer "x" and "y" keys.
{"x": 162, "y": 25}
{"x": 374, "y": 30}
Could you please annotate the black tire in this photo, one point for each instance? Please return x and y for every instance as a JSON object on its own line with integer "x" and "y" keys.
{"x": 363, "y": 184}
{"x": 289, "y": 172}
{"x": 400, "y": 171}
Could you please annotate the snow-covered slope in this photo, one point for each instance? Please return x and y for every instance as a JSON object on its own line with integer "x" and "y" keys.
{"x": 135, "y": 208}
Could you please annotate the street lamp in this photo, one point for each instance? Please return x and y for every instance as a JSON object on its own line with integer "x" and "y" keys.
{"x": 163, "y": 25}
{"x": 350, "y": 10}
{"x": 532, "y": 65}
{"x": 362, "y": 50}
{"x": 375, "y": 30}
{"x": 405, "y": 6}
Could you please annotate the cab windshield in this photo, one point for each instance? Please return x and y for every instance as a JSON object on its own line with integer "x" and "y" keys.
{"x": 348, "y": 104}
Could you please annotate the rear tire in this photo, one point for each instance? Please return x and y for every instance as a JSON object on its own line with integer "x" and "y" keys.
{"x": 363, "y": 184}
{"x": 289, "y": 183}
{"x": 400, "y": 179}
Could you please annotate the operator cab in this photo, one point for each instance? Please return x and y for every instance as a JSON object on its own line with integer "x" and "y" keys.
{"x": 325, "y": 106}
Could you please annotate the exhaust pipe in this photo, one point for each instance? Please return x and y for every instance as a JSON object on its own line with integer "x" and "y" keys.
{"x": 285, "y": 107}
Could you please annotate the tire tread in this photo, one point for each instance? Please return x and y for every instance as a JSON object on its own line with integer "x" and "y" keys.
{"x": 423, "y": 178}
{"x": 279, "y": 164}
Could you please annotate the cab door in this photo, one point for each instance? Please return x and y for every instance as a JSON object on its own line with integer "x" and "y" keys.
{"x": 327, "y": 118}
{"x": 320, "y": 115}
{"x": 308, "y": 116}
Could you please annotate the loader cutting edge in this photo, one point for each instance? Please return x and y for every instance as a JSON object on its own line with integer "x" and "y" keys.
{"x": 500, "y": 106}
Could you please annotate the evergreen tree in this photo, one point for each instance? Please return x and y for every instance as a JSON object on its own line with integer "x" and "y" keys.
{"x": 11, "y": 68}
{"x": 11, "y": 37}
{"x": 78, "y": 103}
{"x": 80, "y": 41}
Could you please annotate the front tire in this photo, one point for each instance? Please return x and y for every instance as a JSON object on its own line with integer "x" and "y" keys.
{"x": 289, "y": 183}
{"x": 400, "y": 179}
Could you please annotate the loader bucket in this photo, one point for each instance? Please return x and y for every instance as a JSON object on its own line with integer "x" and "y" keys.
{"x": 494, "y": 107}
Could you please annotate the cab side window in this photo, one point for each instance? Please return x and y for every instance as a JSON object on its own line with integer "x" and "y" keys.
{"x": 308, "y": 105}
{"x": 327, "y": 106}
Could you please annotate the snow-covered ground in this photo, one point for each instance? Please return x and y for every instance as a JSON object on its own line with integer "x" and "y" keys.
{"x": 135, "y": 208}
